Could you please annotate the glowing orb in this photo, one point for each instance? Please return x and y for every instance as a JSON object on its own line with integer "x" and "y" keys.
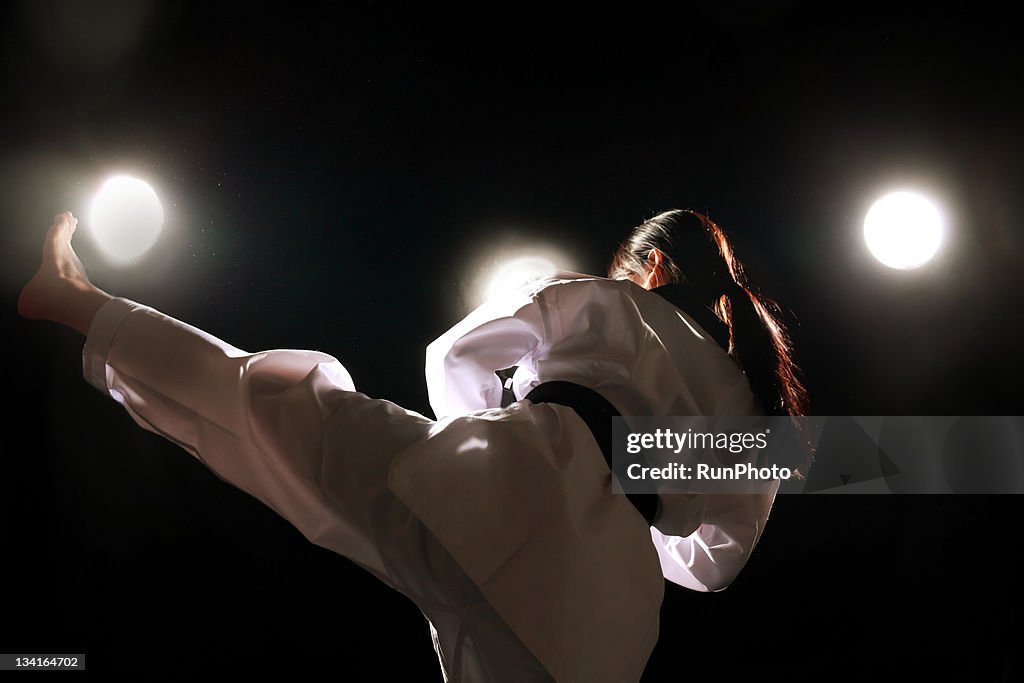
{"x": 126, "y": 218}
{"x": 516, "y": 273}
{"x": 903, "y": 230}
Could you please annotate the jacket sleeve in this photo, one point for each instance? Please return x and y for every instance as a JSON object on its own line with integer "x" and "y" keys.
{"x": 460, "y": 364}
{"x": 711, "y": 557}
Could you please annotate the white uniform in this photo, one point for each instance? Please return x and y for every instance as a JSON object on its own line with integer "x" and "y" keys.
{"x": 500, "y": 524}
{"x": 644, "y": 356}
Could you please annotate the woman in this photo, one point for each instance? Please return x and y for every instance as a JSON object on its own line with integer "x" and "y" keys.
{"x": 698, "y": 342}
{"x": 498, "y": 523}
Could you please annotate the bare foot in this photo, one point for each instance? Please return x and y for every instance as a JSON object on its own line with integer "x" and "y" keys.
{"x": 60, "y": 290}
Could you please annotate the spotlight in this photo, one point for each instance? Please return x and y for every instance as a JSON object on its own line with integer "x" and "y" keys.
{"x": 903, "y": 230}
{"x": 126, "y": 218}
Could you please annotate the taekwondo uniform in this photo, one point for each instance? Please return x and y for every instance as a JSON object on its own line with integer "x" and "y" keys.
{"x": 499, "y": 523}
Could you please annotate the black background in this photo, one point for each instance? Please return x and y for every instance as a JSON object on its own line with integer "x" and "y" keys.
{"x": 333, "y": 175}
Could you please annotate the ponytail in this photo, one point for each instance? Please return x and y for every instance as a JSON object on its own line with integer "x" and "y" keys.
{"x": 763, "y": 352}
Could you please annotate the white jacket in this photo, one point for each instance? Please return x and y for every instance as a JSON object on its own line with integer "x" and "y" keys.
{"x": 641, "y": 353}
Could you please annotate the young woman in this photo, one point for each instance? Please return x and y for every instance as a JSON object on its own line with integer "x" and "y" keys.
{"x": 499, "y": 523}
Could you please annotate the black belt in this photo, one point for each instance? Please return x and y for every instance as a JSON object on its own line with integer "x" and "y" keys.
{"x": 597, "y": 413}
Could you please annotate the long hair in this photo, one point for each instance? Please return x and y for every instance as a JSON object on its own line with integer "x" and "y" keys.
{"x": 697, "y": 253}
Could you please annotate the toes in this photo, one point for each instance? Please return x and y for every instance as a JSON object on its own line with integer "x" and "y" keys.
{"x": 58, "y": 234}
{"x": 65, "y": 218}
{"x": 64, "y": 224}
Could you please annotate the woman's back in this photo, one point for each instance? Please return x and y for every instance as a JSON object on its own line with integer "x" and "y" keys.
{"x": 638, "y": 350}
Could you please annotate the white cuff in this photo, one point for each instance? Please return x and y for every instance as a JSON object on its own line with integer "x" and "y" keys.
{"x": 101, "y": 335}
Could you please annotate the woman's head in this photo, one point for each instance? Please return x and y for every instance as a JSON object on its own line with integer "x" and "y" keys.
{"x": 689, "y": 248}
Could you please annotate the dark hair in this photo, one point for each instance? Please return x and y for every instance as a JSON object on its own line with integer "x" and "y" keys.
{"x": 697, "y": 253}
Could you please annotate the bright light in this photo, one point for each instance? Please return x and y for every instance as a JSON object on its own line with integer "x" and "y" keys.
{"x": 504, "y": 261}
{"x": 903, "y": 230}
{"x": 126, "y": 218}
{"x": 516, "y": 273}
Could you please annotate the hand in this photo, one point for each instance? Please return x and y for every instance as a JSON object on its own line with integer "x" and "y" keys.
{"x": 61, "y": 291}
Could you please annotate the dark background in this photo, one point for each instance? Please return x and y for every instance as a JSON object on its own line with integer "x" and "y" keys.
{"x": 332, "y": 177}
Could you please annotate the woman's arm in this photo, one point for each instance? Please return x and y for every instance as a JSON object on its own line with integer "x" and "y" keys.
{"x": 461, "y": 363}
{"x": 711, "y": 557}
